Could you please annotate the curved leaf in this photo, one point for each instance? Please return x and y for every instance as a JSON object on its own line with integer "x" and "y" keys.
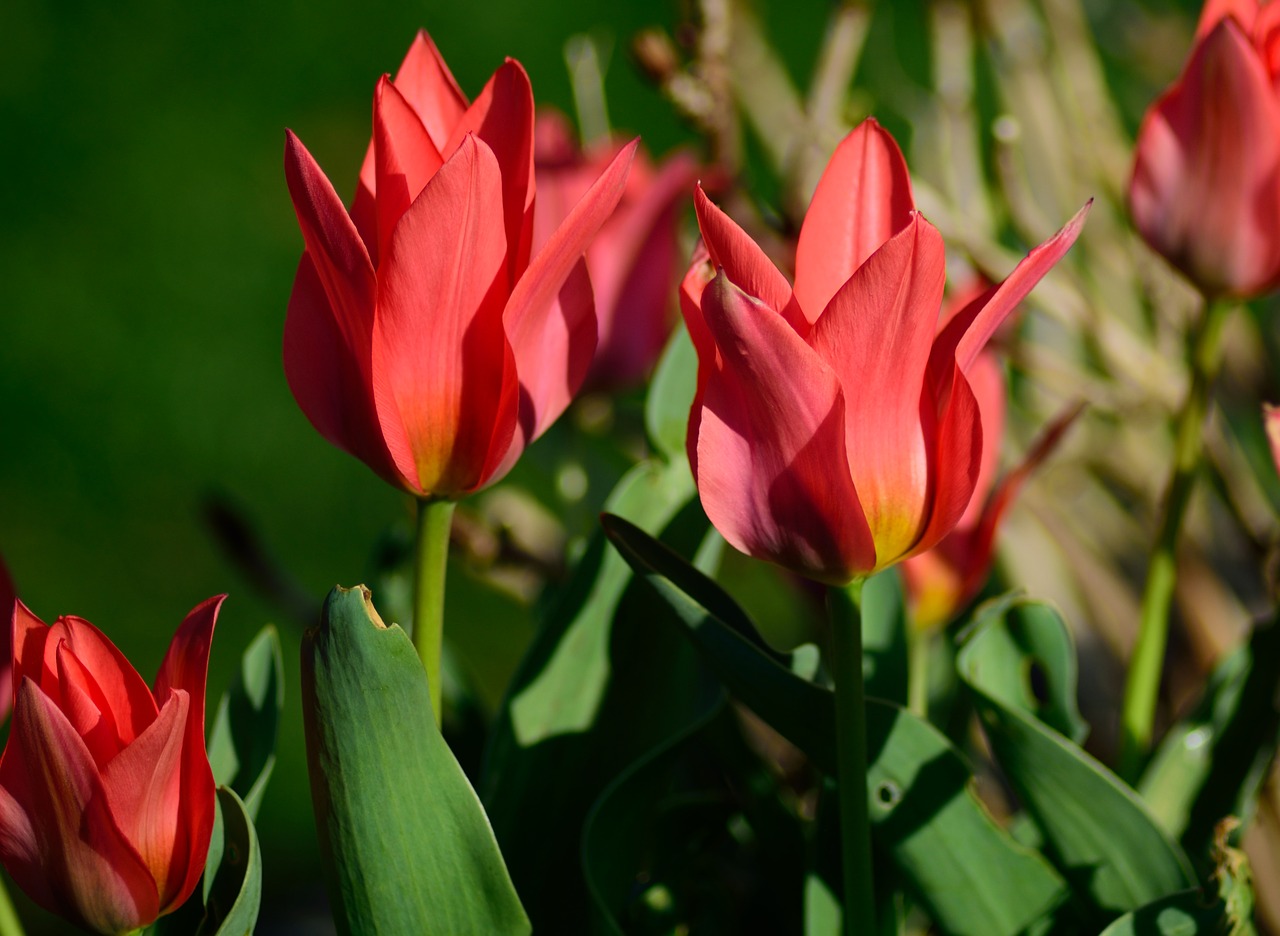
{"x": 666, "y": 407}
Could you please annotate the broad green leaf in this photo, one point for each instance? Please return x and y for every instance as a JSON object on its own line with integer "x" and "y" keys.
{"x": 405, "y": 844}
{"x": 884, "y": 638}
{"x": 966, "y": 871}
{"x": 1213, "y": 763}
{"x": 1096, "y": 829}
{"x": 666, "y": 408}
{"x": 584, "y": 704}
{"x": 243, "y": 738}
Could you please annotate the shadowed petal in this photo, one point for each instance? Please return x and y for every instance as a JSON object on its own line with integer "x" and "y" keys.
{"x": 862, "y": 200}
{"x": 438, "y": 343}
{"x": 986, "y": 380}
{"x": 1206, "y": 179}
{"x": 876, "y": 335}
{"x": 772, "y": 471}
{"x": 405, "y": 158}
{"x": 701, "y": 273}
{"x": 953, "y": 431}
{"x": 8, "y": 608}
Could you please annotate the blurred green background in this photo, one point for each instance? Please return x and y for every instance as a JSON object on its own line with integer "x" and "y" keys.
{"x": 147, "y": 250}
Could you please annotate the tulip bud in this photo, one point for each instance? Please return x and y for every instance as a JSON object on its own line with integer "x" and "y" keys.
{"x": 1205, "y": 191}
{"x": 106, "y": 793}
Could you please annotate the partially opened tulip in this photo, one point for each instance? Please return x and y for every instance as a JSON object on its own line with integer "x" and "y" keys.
{"x": 835, "y": 430}
{"x": 1205, "y": 190}
{"x": 106, "y": 794}
{"x": 632, "y": 261}
{"x": 424, "y": 335}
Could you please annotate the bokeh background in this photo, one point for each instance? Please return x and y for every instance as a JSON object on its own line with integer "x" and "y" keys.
{"x": 147, "y": 250}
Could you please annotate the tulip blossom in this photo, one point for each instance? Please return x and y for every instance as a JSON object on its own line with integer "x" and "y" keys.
{"x": 106, "y": 794}
{"x": 8, "y": 604}
{"x": 424, "y": 335}
{"x": 632, "y": 261}
{"x": 834, "y": 429}
{"x": 1205, "y": 190}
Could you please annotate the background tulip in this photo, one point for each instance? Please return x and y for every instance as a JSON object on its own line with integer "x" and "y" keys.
{"x": 835, "y": 430}
{"x": 1205, "y": 190}
{"x": 106, "y": 794}
{"x": 632, "y": 261}
{"x": 425, "y": 335}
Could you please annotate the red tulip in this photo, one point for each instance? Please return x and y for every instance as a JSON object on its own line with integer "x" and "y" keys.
{"x": 632, "y": 261}
{"x": 106, "y": 794}
{"x": 834, "y": 430}
{"x": 421, "y": 336}
{"x": 8, "y": 605}
{"x": 1205, "y": 190}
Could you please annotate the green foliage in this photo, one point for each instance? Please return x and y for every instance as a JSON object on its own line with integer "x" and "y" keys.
{"x": 405, "y": 843}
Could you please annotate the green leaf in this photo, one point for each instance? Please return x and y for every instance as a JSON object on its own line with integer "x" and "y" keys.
{"x": 965, "y": 870}
{"x": 666, "y": 408}
{"x": 1019, "y": 664}
{"x": 243, "y": 738}
{"x": 1213, "y": 763}
{"x": 404, "y": 841}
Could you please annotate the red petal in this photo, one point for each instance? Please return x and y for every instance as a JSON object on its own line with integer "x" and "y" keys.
{"x": 426, "y": 82}
{"x": 67, "y": 854}
{"x": 87, "y": 708}
{"x": 439, "y": 349}
{"x": 8, "y": 610}
{"x": 746, "y": 265}
{"x": 502, "y": 116}
{"x": 144, "y": 790}
{"x": 1244, "y": 11}
{"x": 331, "y": 385}
{"x": 876, "y": 335}
{"x": 862, "y": 200}
{"x": 772, "y": 471}
{"x": 955, "y": 442}
{"x": 123, "y": 691}
{"x": 701, "y": 273}
{"x": 554, "y": 340}
{"x": 1205, "y": 191}
{"x": 986, "y": 380}
{"x": 405, "y": 159}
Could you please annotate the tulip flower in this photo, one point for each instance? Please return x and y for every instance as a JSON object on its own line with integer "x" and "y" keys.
{"x": 1205, "y": 191}
{"x": 632, "y": 261}
{"x": 834, "y": 430}
{"x": 8, "y": 605}
{"x": 106, "y": 794}
{"x": 424, "y": 334}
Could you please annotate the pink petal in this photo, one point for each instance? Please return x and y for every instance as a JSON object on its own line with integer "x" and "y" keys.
{"x": 746, "y": 265}
{"x": 701, "y": 273}
{"x": 1205, "y": 191}
{"x": 405, "y": 159}
{"x": 331, "y": 384}
{"x": 144, "y": 790}
{"x": 876, "y": 336}
{"x": 772, "y": 469}
{"x": 185, "y": 669}
{"x": 554, "y": 340}
{"x": 862, "y": 200}
{"x": 65, "y": 849}
{"x": 970, "y": 329}
{"x": 1215, "y": 11}
{"x": 502, "y": 117}
{"x": 438, "y": 343}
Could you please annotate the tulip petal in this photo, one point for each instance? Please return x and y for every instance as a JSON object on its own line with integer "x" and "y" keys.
{"x": 123, "y": 691}
{"x": 1271, "y": 422}
{"x": 986, "y": 380}
{"x": 331, "y": 387}
{"x": 772, "y": 470}
{"x": 438, "y": 342}
{"x": 876, "y": 336}
{"x": 550, "y": 316}
{"x": 86, "y": 706}
{"x": 8, "y": 608}
{"x": 701, "y": 273}
{"x": 1215, "y": 11}
{"x": 969, "y": 330}
{"x": 1205, "y": 191}
{"x": 953, "y": 432}
{"x": 83, "y": 867}
{"x": 743, "y": 261}
{"x": 405, "y": 158}
{"x": 862, "y": 200}
{"x": 502, "y": 116}
{"x": 185, "y": 669}
{"x": 144, "y": 791}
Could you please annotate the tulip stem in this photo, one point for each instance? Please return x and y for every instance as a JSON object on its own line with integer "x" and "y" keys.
{"x": 1143, "y": 685}
{"x": 435, "y": 519}
{"x": 10, "y": 925}
{"x": 843, "y": 606}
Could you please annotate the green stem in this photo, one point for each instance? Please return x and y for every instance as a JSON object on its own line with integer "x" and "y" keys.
{"x": 10, "y": 925}
{"x": 431, "y": 556}
{"x": 851, "y": 758}
{"x": 1143, "y": 685}
{"x": 918, "y": 670}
